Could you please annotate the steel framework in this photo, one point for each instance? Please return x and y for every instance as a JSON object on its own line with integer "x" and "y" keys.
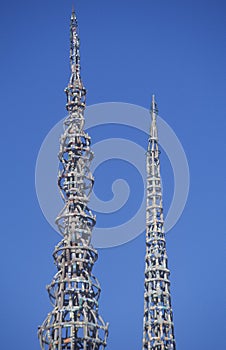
{"x": 74, "y": 323}
{"x": 158, "y": 328}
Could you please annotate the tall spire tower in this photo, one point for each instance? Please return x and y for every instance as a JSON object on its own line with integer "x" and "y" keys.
{"x": 74, "y": 323}
{"x": 158, "y": 328}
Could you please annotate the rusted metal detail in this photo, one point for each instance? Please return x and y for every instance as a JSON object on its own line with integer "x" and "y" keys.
{"x": 158, "y": 328}
{"x": 74, "y": 323}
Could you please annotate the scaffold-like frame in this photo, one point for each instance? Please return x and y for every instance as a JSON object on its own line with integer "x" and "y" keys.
{"x": 158, "y": 328}
{"x": 74, "y": 323}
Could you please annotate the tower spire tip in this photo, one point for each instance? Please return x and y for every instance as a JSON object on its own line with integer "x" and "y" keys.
{"x": 73, "y": 16}
{"x": 154, "y": 108}
{"x": 154, "y": 113}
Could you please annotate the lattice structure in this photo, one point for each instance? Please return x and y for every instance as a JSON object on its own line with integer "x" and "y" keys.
{"x": 158, "y": 331}
{"x": 74, "y": 323}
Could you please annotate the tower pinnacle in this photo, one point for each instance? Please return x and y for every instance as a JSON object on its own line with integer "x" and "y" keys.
{"x": 74, "y": 323}
{"x": 154, "y": 113}
{"x": 158, "y": 328}
{"x": 75, "y": 91}
{"x": 74, "y": 49}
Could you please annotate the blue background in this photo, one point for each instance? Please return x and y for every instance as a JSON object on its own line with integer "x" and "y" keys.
{"x": 129, "y": 49}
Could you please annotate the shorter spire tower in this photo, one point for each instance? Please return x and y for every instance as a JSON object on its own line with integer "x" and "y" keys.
{"x": 158, "y": 328}
{"x": 74, "y": 323}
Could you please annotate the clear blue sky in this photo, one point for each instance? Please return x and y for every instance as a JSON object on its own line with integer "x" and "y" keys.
{"x": 129, "y": 49}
